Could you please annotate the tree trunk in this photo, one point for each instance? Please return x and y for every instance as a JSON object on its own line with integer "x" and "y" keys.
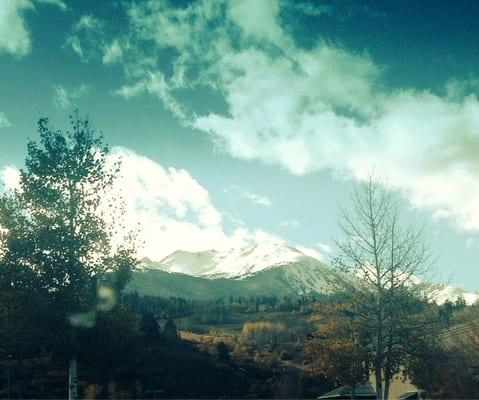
{"x": 388, "y": 367}
{"x": 379, "y": 355}
{"x": 387, "y": 382}
{"x": 379, "y": 383}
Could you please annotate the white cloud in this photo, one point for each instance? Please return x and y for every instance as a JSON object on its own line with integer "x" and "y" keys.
{"x": 173, "y": 211}
{"x": 86, "y": 38}
{"x": 4, "y": 122}
{"x": 254, "y": 198}
{"x": 113, "y": 53}
{"x": 14, "y": 35}
{"x": 170, "y": 210}
{"x": 257, "y": 19}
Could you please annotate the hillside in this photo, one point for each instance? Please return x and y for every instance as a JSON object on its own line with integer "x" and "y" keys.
{"x": 156, "y": 282}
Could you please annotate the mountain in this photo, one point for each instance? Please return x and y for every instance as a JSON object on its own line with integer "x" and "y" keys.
{"x": 443, "y": 293}
{"x": 234, "y": 263}
{"x": 156, "y": 282}
{"x": 249, "y": 271}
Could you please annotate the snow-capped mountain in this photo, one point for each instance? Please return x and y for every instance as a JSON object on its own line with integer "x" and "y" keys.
{"x": 302, "y": 272}
{"x": 231, "y": 264}
{"x": 275, "y": 266}
{"x": 443, "y": 293}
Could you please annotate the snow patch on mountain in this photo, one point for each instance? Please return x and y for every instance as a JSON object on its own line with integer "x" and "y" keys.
{"x": 232, "y": 264}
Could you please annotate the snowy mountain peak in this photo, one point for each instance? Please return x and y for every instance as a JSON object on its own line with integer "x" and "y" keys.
{"x": 442, "y": 293}
{"x": 236, "y": 263}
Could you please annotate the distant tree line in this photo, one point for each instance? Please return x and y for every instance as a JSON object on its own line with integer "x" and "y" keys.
{"x": 176, "y": 307}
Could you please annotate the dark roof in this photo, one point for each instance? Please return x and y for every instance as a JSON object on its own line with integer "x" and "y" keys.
{"x": 362, "y": 392}
{"x": 409, "y": 395}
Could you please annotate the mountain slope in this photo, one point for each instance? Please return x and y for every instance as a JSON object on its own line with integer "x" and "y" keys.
{"x": 155, "y": 282}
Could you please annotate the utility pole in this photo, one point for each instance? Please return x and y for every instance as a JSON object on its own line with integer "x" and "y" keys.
{"x": 73, "y": 367}
{"x": 73, "y": 380}
{"x": 8, "y": 376}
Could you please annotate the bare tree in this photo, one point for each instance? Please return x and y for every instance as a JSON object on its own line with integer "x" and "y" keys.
{"x": 379, "y": 264}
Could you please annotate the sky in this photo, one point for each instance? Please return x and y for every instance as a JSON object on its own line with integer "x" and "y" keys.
{"x": 250, "y": 121}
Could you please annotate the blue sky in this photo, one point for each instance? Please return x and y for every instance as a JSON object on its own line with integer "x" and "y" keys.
{"x": 249, "y": 121}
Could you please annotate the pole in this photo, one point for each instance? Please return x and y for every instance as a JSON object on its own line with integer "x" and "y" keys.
{"x": 8, "y": 381}
{"x": 73, "y": 380}
{"x": 8, "y": 376}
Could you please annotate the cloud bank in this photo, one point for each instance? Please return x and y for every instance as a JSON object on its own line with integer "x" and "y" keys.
{"x": 304, "y": 109}
{"x": 167, "y": 208}
{"x": 171, "y": 210}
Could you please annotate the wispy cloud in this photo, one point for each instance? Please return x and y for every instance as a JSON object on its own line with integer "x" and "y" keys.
{"x": 4, "y": 122}
{"x": 86, "y": 38}
{"x": 64, "y": 97}
{"x": 253, "y": 198}
{"x": 155, "y": 84}
{"x": 313, "y": 9}
{"x": 340, "y": 11}
{"x": 113, "y": 52}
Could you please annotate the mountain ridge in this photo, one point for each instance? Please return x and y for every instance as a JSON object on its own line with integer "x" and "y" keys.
{"x": 291, "y": 271}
